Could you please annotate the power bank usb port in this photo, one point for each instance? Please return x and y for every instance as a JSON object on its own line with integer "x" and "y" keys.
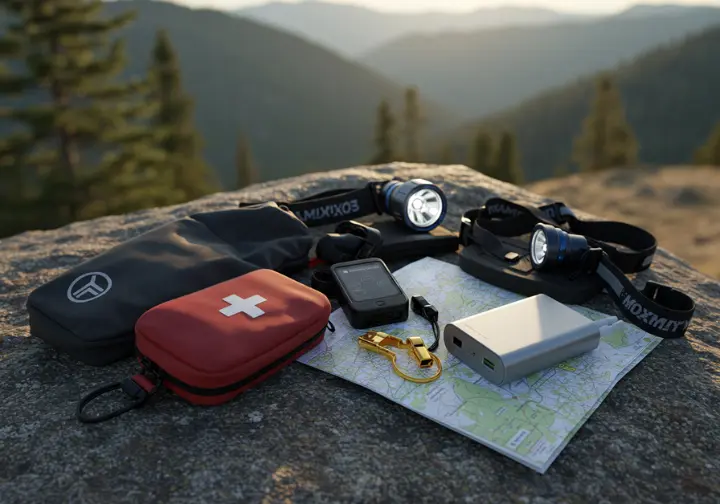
{"x": 488, "y": 363}
{"x": 457, "y": 342}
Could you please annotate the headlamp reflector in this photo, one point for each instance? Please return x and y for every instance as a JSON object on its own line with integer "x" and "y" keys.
{"x": 420, "y": 204}
{"x": 538, "y": 249}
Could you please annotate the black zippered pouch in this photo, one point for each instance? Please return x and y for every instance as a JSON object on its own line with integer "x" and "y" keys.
{"x": 90, "y": 311}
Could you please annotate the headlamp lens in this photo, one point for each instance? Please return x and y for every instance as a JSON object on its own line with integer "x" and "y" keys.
{"x": 538, "y": 250}
{"x": 551, "y": 247}
{"x": 420, "y": 204}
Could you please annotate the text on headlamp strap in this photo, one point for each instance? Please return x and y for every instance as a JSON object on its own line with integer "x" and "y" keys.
{"x": 334, "y": 206}
{"x": 659, "y": 310}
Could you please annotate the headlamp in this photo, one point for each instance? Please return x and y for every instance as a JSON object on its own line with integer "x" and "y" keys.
{"x": 551, "y": 247}
{"x": 418, "y": 203}
{"x": 571, "y": 268}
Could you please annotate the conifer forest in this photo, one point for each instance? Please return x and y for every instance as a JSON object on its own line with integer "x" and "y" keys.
{"x": 94, "y": 123}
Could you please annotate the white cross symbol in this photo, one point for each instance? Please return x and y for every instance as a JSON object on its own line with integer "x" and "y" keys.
{"x": 240, "y": 305}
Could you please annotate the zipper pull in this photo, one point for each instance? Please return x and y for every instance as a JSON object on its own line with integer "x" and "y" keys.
{"x": 141, "y": 383}
{"x": 150, "y": 376}
{"x": 138, "y": 388}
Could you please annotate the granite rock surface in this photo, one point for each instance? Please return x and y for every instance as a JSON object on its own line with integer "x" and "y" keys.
{"x": 305, "y": 436}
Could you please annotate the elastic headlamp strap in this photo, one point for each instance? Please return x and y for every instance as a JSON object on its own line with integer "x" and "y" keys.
{"x": 659, "y": 310}
{"x": 475, "y": 234}
{"x": 506, "y": 218}
{"x": 473, "y": 230}
{"x": 603, "y": 234}
{"x": 330, "y": 207}
{"x": 471, "y": 233}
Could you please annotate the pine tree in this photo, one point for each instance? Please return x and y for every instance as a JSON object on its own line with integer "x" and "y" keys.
{"x": 80, "y": 149}
{"x": 413, "y": 124}
{"x": 384, "y": 135}
{"x": 244, "y": 165}
{"x": 606, "y": 140}
{"x": 17, "y": 201}
{"x": 507, "y": 167}
{"x": 173, "y": 124}
{"x": 482, "y": 151}
{"x": 709, "y": 153}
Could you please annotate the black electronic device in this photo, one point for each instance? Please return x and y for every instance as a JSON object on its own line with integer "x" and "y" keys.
{"x": 369, "y": 294}
{"x": 400, "y": 243}
{"x": 384, "y": 239}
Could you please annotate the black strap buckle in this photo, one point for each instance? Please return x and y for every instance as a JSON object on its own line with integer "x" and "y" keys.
{"x": 512, "y": 257}
{"x": 669, "y": 297}
{"x": 375, "y": 189}
{"x": 466, "y": 225}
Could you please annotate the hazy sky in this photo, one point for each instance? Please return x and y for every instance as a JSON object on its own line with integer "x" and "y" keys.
{"x": 464, "y": 5}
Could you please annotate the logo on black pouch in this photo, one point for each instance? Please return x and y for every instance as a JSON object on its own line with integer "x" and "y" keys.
{"x": 89, "y": 287}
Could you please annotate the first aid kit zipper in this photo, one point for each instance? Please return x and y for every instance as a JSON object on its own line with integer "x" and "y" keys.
{"x": 140, "y": 387}
{"x": 160, "y": 376}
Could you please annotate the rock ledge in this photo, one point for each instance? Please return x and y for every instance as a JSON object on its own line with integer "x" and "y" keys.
{"x": 305, "y": 436}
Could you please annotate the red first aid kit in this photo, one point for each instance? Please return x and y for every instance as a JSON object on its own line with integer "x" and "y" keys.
{"x": 209, "y": 346}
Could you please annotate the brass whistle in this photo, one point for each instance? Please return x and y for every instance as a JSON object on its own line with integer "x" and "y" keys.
{"x": 420, "y": 352}
{"x": 378, "y": 342}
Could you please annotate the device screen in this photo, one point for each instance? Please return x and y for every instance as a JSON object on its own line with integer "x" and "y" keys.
{"x": 368, "y": 281}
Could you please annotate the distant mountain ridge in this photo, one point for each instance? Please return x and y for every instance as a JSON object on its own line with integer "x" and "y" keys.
{"x": 671, "y": 101}
{"x": 302, "y": 107}
{"x": 353, "y": 30}
{"x": 486, "y": 71}
{"x": 643, "y": 10}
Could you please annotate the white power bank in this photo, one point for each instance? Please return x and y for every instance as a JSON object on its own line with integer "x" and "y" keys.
{"x": 513, "y": 341}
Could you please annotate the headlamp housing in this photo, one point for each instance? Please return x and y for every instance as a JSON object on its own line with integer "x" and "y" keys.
{"x": 551, "y": 247}
{"x": 418, "y": 203}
